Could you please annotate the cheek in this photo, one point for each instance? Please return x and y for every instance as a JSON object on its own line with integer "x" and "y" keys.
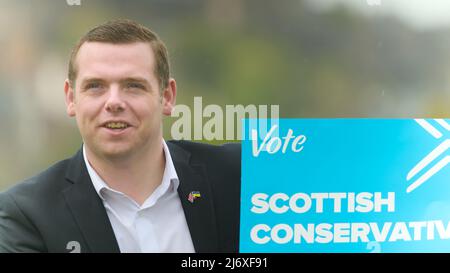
{"x": 86, "y": 111}
{"x": 148, "y": 111}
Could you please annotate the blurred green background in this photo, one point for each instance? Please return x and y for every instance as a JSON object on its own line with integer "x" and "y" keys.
{"x": 317, "y": 58}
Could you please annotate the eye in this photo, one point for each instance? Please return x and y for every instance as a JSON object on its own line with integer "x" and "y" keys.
{"x": 135, "y": 85}
{"x": 92, "y": 85}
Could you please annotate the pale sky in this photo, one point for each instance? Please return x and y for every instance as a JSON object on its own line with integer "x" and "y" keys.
{"x": 422, "y": 14}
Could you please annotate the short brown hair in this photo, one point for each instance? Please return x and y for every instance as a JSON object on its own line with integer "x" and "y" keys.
{"x": 125, "y": 31}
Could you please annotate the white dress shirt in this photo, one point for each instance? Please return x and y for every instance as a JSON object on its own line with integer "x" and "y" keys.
{"x": 158, "y": 225}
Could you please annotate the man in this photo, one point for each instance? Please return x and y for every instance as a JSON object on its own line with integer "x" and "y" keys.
{"x": 126, "y": 190}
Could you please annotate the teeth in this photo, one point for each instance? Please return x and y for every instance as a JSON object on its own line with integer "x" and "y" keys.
{"x": 116, "y": 125}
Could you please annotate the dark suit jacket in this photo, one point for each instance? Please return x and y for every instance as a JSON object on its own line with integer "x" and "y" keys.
{"x": 46, "y": 212}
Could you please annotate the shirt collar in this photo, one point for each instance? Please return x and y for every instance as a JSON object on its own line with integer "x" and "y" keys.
{"x": 170, "y": 176}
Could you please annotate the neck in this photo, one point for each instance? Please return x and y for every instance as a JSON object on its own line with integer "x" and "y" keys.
{"x": 137, "y": 176}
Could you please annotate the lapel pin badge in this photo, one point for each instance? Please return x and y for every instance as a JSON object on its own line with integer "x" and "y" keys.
{"x": 194, "y": 195}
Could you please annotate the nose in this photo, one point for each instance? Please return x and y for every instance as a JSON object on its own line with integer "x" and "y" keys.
{"x": 114, "y": 102}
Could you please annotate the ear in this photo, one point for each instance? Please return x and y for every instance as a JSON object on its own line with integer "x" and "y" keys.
{"x": 169, "y": 97}
{"x": 70, "y": 98}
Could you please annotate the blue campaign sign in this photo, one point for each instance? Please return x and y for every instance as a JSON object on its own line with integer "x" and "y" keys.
{"x": 345, "y": 185}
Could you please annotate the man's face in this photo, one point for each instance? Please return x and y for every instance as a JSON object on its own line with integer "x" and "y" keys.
{"x": 117, "y": 100}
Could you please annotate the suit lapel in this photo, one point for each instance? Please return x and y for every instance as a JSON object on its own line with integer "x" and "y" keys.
{"x": 199, "y": 214}
{"x": 87, "y": 208}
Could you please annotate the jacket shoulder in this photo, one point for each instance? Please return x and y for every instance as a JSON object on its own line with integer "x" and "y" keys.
{"x": 228, "y": 154}
{"x": 22, "y": 203}
{"x": 48, "y": 181}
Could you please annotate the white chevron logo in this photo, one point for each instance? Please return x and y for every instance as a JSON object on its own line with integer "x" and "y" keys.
{"x": 432, "y": 156}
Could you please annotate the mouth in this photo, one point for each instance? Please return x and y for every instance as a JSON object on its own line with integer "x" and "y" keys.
{"x": 116, "y": 126}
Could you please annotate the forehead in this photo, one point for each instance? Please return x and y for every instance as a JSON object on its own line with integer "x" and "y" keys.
{"x": 106, "y": 60}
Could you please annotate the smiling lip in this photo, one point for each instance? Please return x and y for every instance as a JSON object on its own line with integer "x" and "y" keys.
{"x": 115, "y": 124}
{"x": 116, "y": 127}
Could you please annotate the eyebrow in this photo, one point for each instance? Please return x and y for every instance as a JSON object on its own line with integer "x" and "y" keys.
{"x": 135, "y": 79}
{"x": 128, "y": 79}
{"x": 89, "y": 80}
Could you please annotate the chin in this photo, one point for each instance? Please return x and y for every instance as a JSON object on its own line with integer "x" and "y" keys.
{"x": 116, "y": 151}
